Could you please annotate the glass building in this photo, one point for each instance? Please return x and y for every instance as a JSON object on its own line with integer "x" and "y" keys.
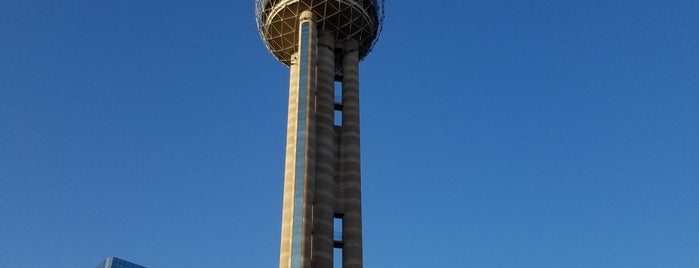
{"x": 113, "y": 262}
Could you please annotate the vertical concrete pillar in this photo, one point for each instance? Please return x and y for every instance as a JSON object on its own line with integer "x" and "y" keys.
{"x": 299, "y": 176}
{"x": 290, "y": 162}
{"x": 350, "y": 167}
{"x": 307, "y": 21}
{"x": 325, "y": 153}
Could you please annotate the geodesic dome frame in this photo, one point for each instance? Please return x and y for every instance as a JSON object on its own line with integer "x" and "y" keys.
{"x": 277, "y": 22}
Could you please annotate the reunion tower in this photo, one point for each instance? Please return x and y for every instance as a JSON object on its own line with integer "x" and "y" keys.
{"x": 322, "y": 42}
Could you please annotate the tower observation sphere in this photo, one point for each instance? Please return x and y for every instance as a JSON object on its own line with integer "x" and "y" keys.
{"x": 277, "y": 22}
{"x": 322, "y": 42}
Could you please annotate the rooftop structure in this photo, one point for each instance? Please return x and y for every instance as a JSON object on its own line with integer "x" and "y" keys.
{"x": 113, "y": 262}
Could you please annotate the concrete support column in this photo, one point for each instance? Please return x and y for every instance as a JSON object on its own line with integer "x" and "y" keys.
{"x": 308, "y": 18}
{"x": 300, "y": 154}
{"x": 290, "y": 162}
{"x": 350, "y": 167}
{"x": 325, "y": 153}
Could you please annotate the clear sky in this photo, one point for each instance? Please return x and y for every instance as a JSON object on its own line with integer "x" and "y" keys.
{"x": 494, "y": 134}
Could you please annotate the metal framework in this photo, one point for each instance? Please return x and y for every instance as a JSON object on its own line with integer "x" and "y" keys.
{"x": 277, "y": 23}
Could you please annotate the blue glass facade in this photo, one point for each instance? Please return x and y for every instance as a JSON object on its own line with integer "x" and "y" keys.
{"x": 113, "y": 262}
{"x": 297, "y": 229}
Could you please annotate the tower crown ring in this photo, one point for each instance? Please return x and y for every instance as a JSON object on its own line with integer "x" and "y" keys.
{"x": 277, "y": 21}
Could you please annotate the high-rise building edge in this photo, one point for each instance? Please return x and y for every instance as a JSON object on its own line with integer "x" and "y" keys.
{"x": 322, "y": 42}
{"x": 114, "y": 262}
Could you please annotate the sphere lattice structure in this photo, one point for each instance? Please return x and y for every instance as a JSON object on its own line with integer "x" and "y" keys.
{"x": 277, "y": 22}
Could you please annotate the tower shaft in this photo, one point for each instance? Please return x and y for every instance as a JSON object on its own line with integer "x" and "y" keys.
{"x": 322, "y": 186}
{"x": 349, "y": 164}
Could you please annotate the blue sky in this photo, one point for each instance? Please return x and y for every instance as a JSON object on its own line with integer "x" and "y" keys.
{"x": 494, "y": 134}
